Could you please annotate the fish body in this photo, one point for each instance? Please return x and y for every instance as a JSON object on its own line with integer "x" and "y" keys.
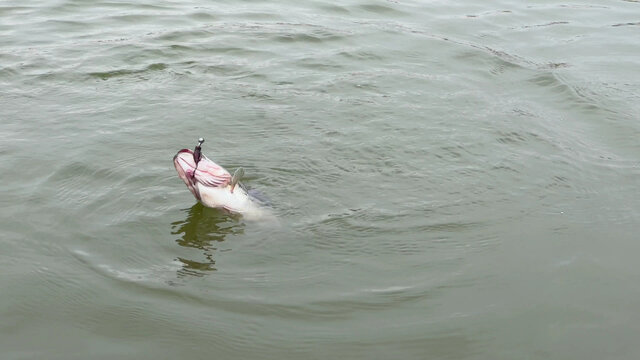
{"x": 213, "y": 185}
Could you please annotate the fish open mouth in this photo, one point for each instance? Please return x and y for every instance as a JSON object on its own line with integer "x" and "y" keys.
{"x": 186, "y": 166}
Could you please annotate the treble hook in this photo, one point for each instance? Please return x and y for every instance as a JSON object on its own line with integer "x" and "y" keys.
{"x": 197, "y": 155}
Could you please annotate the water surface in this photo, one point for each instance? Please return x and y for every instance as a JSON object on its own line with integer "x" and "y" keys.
{"x": 452, "y": 180}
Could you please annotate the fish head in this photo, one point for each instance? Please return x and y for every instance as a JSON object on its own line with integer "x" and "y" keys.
{"x": 186, "y": 167}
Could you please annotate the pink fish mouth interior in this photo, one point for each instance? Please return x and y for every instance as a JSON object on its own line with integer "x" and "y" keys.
{"x": 185, "y": 166}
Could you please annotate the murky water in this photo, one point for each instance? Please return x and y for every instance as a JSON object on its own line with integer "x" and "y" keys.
{"x": 452, "y": 180}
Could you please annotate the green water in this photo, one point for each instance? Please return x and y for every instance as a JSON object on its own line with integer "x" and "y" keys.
{"x": 452, "y": 180}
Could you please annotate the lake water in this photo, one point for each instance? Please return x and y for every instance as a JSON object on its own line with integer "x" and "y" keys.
{"x": 452, "y": 180}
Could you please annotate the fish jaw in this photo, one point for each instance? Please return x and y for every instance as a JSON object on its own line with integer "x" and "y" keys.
{"x": 185, "y": 166}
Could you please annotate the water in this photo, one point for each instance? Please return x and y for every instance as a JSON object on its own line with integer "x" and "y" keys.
{"x": 453, "y": 180}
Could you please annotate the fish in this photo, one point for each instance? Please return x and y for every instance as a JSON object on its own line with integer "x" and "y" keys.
{"x": 214, "y": 186}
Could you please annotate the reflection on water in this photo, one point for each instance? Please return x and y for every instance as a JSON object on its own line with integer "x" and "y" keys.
{"x": 202, "y": 228}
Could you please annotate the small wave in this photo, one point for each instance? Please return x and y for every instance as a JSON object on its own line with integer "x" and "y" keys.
{"x": 387, "y": 10}
{"x": 106, "y": 75}
{"x": 148, "y": 275}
